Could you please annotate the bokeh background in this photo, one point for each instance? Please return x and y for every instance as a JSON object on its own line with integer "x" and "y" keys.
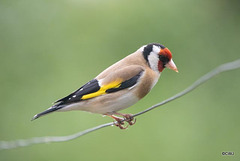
{"x": 50, "y": 48}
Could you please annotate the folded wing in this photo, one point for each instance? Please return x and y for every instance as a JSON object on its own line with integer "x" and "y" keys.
{"x": 95, "y": 88}
{"x": 119, "y": 80}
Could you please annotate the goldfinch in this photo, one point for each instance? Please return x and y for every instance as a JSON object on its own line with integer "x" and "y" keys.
{"x": 119, "y": 86}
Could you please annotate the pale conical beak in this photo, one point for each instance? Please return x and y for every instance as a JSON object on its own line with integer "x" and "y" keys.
{"x": 171, "y": 65}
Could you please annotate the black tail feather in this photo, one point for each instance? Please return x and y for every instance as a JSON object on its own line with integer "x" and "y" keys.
{"x": 51, "y": 109}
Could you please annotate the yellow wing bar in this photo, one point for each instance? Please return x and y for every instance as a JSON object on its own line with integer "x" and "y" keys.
{"x": 102, "y": 90}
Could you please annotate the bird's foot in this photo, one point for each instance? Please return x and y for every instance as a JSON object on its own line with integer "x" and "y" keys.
{"x": 120, "y": 121}
{"x": 129, "y": 119}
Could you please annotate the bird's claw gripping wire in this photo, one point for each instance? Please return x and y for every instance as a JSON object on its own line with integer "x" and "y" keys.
{"x": 120, "y": 121}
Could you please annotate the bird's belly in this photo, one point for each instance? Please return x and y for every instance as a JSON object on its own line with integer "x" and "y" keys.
{"x": 105, "y": 104}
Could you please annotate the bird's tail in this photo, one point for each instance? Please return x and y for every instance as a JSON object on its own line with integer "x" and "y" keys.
{"x": 49, "y": 110}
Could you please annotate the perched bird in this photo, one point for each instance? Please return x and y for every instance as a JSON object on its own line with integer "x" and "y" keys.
{"x": 120, "y": 85}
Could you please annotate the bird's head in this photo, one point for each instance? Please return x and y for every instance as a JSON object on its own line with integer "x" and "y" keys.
{"x": 158, "y": 57}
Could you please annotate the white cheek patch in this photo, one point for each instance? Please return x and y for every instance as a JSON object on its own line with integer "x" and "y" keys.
{"x": 153, "y": 61}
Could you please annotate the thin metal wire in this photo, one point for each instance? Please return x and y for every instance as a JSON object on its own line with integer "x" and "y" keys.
{"x": 49, "y": 139}
{"x": 222, "y": 68}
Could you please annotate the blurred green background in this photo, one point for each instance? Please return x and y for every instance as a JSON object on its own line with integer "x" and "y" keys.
{"x": 50, "y": 48}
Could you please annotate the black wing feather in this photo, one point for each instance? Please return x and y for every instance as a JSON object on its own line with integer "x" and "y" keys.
{"x": 126, "y": 84}
{"x": 93, "y": 86}
{"x": 90, "y": 87}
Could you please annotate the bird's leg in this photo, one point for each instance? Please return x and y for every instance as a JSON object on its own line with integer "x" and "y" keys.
{"x": 128, "y": 118}
{"x": 119, "y": 120}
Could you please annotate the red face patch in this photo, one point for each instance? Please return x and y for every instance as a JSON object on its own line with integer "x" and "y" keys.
{"x": 160, "y": 66}
{"x": 166, "y": 52}
{"x": 164, "y": 57}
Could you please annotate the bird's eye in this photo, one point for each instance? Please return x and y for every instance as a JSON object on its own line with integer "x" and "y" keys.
{"x": 163, "y": 59}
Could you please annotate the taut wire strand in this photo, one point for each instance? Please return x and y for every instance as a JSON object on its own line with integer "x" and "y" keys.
{"x": 48, "y": 139}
